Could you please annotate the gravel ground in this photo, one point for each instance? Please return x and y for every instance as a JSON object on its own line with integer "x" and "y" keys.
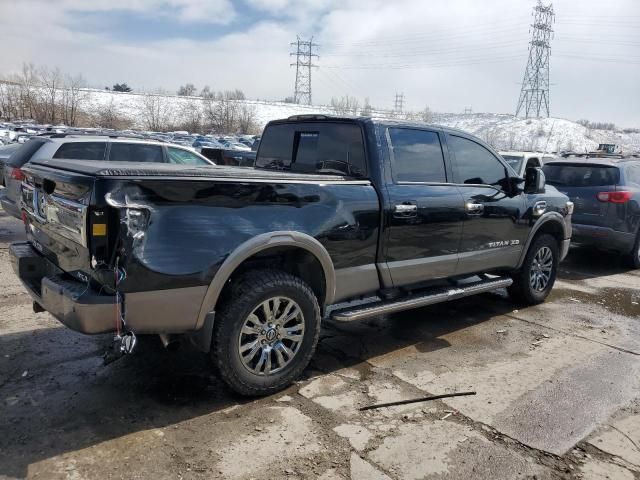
{"x": 558, "y": 394}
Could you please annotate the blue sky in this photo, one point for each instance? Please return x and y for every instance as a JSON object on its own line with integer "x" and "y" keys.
{"x": 445, "y": 55}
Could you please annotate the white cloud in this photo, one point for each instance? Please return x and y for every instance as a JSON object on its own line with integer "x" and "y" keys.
{"x": 446, "y": 55}
{"x": 188, "y": 11}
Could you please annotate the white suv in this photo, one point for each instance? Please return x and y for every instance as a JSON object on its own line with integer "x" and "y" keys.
{"x": 89, "y": 147}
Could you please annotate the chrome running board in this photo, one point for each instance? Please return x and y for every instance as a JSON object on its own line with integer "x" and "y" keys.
{"x": 419, "y": 300}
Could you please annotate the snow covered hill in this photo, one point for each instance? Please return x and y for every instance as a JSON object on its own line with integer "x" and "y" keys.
{"x": 501, "y": 130}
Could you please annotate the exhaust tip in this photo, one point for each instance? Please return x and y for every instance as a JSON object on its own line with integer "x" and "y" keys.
{"x": 170, "y": 342}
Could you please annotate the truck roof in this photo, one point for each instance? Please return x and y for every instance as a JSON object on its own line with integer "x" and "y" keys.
{"x": 388, "y": 122}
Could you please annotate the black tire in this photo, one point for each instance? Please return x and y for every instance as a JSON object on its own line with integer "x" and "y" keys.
{"x": 522, "y": 289}
{"x": 634, "y": 256}
{"x": 247, "y": 295}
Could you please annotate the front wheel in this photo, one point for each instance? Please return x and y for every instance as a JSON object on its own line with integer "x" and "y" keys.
{"x": 265, "y": 333}
{"x": 534, "y": 281}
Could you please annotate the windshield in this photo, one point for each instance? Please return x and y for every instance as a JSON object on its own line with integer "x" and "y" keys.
{"x": 514, "y": 161}
{"x": 581, "y": 175}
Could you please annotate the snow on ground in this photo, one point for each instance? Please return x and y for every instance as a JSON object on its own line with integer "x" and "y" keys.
{"x": 504, "y": 131}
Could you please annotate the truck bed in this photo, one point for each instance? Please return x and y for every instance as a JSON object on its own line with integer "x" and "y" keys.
{"x": 142, "y": 169}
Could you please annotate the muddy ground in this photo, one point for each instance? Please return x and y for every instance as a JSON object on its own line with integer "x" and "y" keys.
{"x": 557, "y": 394}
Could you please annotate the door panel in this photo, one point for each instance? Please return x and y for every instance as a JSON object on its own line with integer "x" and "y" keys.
{"x": 494, "y": 229}
{"x": 493, "y": 236}
{"x": 423, "y": 244}
{"x": 424, "y": 215}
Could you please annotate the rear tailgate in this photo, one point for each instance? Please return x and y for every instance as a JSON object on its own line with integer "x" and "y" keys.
{"x": 582, "y": 182}
{"x": 56, "y": 212}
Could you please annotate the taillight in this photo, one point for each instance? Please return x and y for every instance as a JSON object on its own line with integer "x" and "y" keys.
{"x": 17, "y": 174}
{"x": 614, "y": 197}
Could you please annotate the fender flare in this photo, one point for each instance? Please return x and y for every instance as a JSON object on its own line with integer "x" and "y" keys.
{"x": 545, "y": 218}
{"x": 258, "y": 244}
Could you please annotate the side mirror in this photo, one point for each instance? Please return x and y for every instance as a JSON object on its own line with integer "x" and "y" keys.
{"x": 514, "y": 186}
{"x": 534, "y": 181}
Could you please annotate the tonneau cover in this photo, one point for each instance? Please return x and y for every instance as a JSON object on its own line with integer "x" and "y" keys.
{"x": 147, "y": 169}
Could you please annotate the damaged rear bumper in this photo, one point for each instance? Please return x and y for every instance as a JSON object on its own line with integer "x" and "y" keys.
{"x": 72, "y": 302}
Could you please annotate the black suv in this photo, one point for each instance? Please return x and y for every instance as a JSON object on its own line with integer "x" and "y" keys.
{"x": 605, "y": 192}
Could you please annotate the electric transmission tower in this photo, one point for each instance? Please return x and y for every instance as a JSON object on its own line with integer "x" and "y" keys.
{"x": 399, "y": 103}
{"x": 534, "y": 95}
{"x": 304, "y": 63}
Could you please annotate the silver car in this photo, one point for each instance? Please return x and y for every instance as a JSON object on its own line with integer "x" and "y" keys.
{"x": 89, "y": 147}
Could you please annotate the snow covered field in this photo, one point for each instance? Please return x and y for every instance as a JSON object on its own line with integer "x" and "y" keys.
{"x": 504, "y": 131}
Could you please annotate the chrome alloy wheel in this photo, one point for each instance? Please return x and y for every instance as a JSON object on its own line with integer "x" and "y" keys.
{"x": 541, "y": 268}
{"x": 271, "y": 336}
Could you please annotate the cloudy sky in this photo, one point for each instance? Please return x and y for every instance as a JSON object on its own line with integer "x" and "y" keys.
{"x": 448, "y": 55}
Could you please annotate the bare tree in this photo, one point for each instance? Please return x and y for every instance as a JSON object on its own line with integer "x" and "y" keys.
{"x": 367, "y": 110}
{"x": 247, "y": 119}
{"x": 187, "y": 90}
{"x": 191, "y": 117}
{"x": 345, "y": 105}
{"x": 206, "y": 92}
{"x": 156, "y": 111}
{"x": 108, "y": 116}
{"x": 73, "y": 97}
{"x": 50, "y": 91}
{"x": 426, "y": 115}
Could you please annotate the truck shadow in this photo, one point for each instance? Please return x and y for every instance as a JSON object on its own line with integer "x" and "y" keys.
{"x": 58, "y": 396}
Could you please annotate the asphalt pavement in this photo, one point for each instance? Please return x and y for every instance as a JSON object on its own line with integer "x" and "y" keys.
{"x": 558, "y": 394}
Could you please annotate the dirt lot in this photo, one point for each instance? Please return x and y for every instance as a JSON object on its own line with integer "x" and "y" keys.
{"x": 558, "y": 394}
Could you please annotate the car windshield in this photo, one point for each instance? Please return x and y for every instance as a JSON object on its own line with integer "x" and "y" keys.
{"x": 514, "y": 161}
{"x": 581, "y": 175}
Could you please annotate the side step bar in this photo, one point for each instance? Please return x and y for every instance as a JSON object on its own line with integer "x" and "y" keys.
{"x": 419, "y": 300}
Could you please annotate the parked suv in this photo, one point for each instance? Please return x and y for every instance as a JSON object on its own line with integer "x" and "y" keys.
{"x": 88, "y": 147}
{"x": 606, "y": 196}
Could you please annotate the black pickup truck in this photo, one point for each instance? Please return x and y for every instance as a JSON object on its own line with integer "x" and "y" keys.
{"x": 246, "y": 261}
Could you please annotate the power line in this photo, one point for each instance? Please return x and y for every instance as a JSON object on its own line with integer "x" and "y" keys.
{"x": 304, "y": 63}
{"x": 534, "y": 95}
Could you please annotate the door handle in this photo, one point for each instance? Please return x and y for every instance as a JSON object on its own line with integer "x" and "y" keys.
{"x": 474, "y": 208}
{"x": 405, "y": 210}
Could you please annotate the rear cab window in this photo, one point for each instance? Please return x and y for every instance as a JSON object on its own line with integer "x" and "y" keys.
{"x": 313, "y": 147}
{"x": 82, "y": 151}
{"x": 581, "y": 175}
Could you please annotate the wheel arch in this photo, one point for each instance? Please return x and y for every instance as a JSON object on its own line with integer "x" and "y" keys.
{"x": 551, "y": 223}
{"x": 295, "y": 248}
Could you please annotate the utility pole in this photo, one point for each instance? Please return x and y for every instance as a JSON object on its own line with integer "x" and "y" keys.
{"x": 534, "y": 95}
{"x": 304, "y": 63}
{"x": 399, "y": 103}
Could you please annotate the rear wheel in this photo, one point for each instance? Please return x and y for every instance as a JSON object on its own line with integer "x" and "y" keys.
{"x": 534, "y": 281}
{"x": 266, "y": 332}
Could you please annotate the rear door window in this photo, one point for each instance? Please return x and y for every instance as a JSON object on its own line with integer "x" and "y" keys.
{"x": 135, "y": 152}
{"x": 581, "y": 175}
{"x": 417, "y": 156}
{"x": 184, "y": 157}
{"x": 82, "y": 151}
{"x": 334, "y": 148}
